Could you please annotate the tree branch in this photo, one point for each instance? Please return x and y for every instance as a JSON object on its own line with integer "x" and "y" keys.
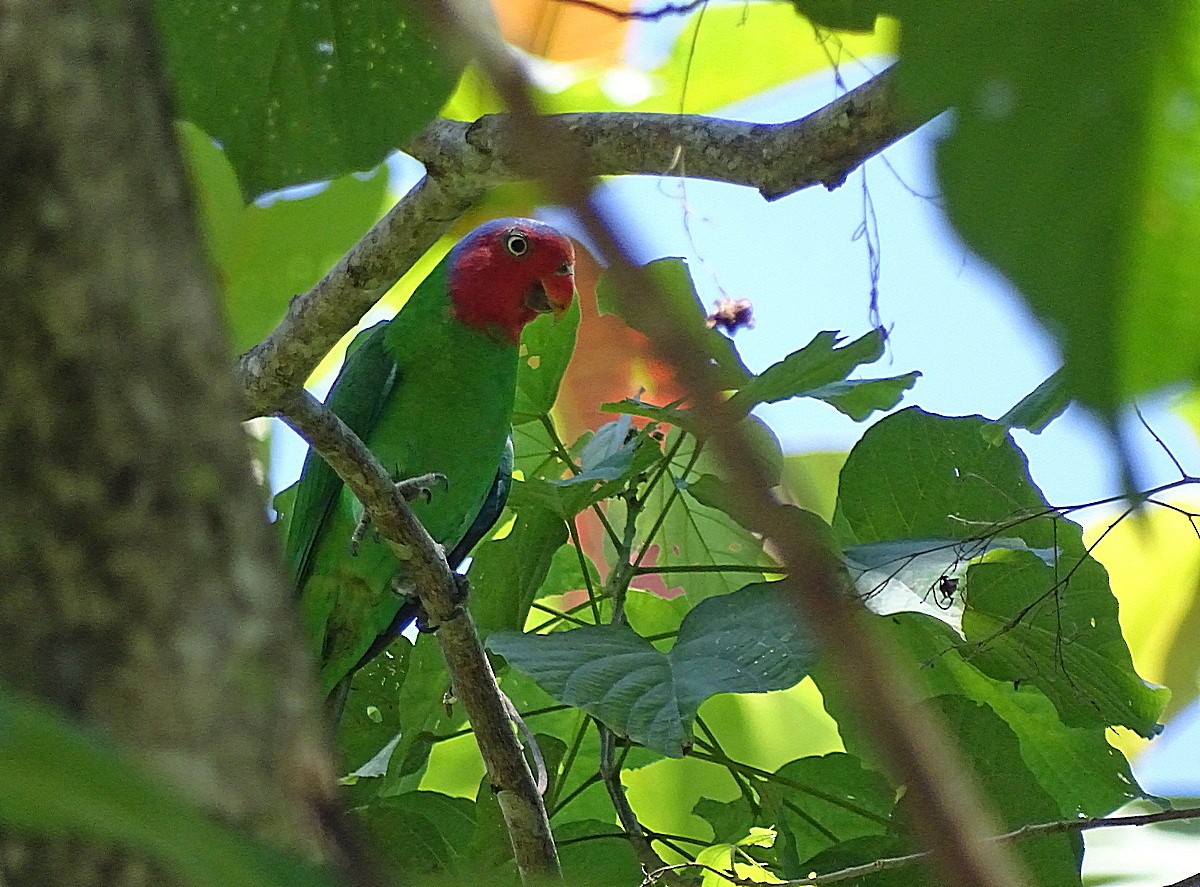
{"x": 892, "y": 863}
{"x": 949, "y": 814}
{"x": 474, "y": 682}
{"x": 463, "y": 160}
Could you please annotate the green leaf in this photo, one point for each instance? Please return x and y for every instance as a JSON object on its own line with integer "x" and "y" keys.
{"x": 421, "y": 716}
{"x": 593, "y": 852}
{"x": 58, "y": 779}
{"x": 507, "y": 573}
{"x": 994, "y": 758}
{"x": 417, "y": 833}
{"x": 1034, "y": 411}
{"x": 693, "y": 534}
{"x": 818, "y": 364}
{"x": 265, "y": 255}
{"x": 683, "y": 307}
{"x": 915, "y": 476}
{"x": 746, "y": 642}
{"x": 608, "y": 454}
{"x": 814, "y": 803}
{"x": 534, "y": 452}
{"x": 371, "y": 717}
{"x": 299, "y": 92}
{"x": 1075, "y": 765}
{"x": 820, "y": 801}
{"x": 842, "y": 15}
{"x": 546, "y": 347}
{"x": 671, "y": 414}
{"x": 610, "y": 460}
{"x": 859, "y": 398}
{"x": 1064, "y": 640}
{"x": 1102, "y": 243}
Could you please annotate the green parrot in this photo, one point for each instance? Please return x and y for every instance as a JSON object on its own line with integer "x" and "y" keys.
{"x": 430, "y": 392}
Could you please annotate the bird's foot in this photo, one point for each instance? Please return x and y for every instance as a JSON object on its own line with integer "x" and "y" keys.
{"x": 410, "y": 488}
{"x": 422, "y": 485}
{"x": 360, "y": 533}
{"x": 424, "y": 622}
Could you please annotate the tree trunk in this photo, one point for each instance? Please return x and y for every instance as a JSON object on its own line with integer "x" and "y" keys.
{"x": 139, "y": 584}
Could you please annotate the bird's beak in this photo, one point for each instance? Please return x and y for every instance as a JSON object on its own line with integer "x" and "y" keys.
{"x": 551, "y": 294}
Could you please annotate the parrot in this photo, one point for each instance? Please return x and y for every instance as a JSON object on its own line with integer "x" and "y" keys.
{"x": 430, "y": 392}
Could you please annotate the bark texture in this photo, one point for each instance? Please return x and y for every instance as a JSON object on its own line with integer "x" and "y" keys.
{"x": 139, "y": 584}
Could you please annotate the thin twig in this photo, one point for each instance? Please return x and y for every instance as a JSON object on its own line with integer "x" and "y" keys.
{"x": 1158, "y": 440}
{"x": 643, "y": 15}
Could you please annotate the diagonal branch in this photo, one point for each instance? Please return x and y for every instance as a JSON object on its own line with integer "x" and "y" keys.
{"x": 463, "y": 160}
{"x": 474, "y": 682}
{"x": 950, "y": 817}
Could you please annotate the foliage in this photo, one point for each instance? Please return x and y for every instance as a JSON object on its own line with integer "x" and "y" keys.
{"x": 1028, "y": 621}
{"x": 1068, "y": 163}
{"x": 59, "y": 779}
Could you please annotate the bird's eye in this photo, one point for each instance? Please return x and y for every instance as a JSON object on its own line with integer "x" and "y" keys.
{"x": 516, "y": 243}
{"x": 566, "y": 269}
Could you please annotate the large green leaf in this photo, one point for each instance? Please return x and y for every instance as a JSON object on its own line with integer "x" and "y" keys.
{"x": 58, "y": 779}
{"x": 1075, "y": 765}
{"x": 420, "y": 832}
{"x": 746, "y": 642}
{"x": 1071, "y": 164}
{"x": 507, "y": 573}
{"x": 820, "y": 370}
{"x": 994, "y": 758}
{"x": 265, "y": 255}
{"x": 695, "y": 535}
{"x": 813, "y": 803}
{"x": 992, "y": 755}
{"x": 1020, "y": 629}
{"x": 914, "y": 476}
{"x": 371, "y": 717}
{"x": 546, "y": 347}
{"x": 298, "y": 92}
{"x": 917, "y": 475}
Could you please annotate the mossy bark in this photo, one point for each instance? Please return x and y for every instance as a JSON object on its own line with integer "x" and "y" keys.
{"x": 140, "y": 587}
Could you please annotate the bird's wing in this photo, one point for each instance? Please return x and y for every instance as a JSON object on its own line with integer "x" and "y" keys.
{"x": 364, "y": 383}
{"x": 489, "y": 513}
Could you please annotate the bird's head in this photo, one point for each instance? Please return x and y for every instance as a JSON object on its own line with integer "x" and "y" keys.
{"x": 508, "y": 271}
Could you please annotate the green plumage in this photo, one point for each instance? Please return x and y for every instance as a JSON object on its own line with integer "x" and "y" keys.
{"x": 426, "y": 394}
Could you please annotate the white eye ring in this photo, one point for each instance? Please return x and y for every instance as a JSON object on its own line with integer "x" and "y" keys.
{"x": 516, "y": 243}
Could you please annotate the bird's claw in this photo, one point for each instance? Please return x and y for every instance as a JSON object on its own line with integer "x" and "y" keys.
{"x": 360, "y": 533}
{"x": 423, "y": 621}
{"x": 422, "y": 485}
{"x": 410, "y": 488}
